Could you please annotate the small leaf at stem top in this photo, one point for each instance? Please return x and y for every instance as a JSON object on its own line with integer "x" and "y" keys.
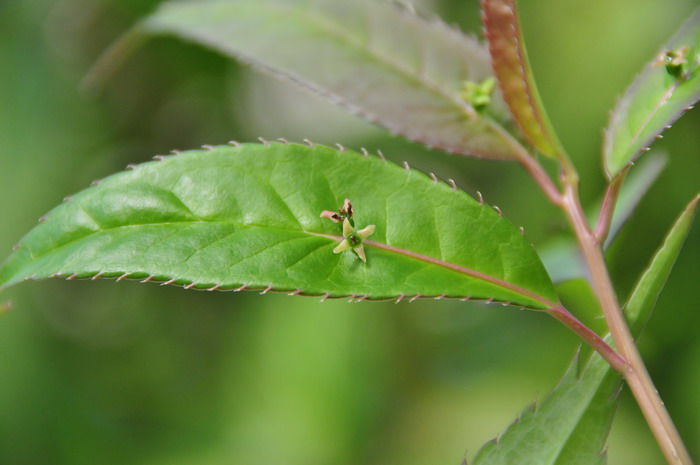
{"x": 668, "y": 86}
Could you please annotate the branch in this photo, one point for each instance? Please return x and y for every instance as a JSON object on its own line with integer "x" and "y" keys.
{"x": 607, "y": 210}
{"x": 635, "y": 373}
{"x": 608, "y": 353}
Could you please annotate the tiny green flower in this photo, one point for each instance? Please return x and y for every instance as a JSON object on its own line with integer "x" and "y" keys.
{"x": 675, "y": 61}
{"x": 478, "y": 95}
{"x": 352, "y": 238}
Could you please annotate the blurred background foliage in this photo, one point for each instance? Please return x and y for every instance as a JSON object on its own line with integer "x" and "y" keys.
{"x": 98, "y": 372}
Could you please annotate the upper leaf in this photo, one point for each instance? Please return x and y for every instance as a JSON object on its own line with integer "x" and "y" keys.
{"x": 512, "y": 69}
{"x": 571, "y": 425}
{"x": 656, "y": 98}
{"x": 250, "y": 216}
{"x": 377, "y": 59}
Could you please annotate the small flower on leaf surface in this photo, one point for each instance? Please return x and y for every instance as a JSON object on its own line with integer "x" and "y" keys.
{"x": 478, "y": 95}
{"x": 675, "y": 61}
{"x": 352, "y": 238}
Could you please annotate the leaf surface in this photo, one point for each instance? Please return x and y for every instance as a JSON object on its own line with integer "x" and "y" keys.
{"x": 377, "y": 59}
{"x": 571, "y": 425}
{"x": 654, "y": 101}
{"x": 641, "y": 302}
{"x": 512, "y": 69}
{"x": 249, "y": 216}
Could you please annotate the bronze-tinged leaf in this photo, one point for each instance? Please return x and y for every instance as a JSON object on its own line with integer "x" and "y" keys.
{"x": 512, "y": 69}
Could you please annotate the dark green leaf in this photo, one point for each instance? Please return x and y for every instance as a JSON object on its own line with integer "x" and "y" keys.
{"x": 659, "y": 95}
{"x": 250, "y": 216}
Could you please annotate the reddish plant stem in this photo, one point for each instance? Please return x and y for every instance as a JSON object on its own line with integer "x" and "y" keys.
{"x": 608, "y": 353}
{"x": 554, "y": 309}
{"x": 607, "y": 209}
{"x": 539, "y": 175}
{"x": 635, "y": 373}
{"x": 541, "y": 178}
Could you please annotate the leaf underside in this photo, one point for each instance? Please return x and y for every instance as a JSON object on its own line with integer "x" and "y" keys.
{"x": 654, "y": 101}
{"x": 248, "y": 216}
{"x": 377, "y": 59}
{"x": 571, "y": 425}
{"x": 512, "y": 69}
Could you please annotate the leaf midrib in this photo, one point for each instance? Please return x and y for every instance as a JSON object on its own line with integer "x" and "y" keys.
{"x": 663, "y": 100}
{"x": 386, "y": 247}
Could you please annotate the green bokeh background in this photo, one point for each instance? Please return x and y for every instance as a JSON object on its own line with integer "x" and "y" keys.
{"x": 98, "y": 372}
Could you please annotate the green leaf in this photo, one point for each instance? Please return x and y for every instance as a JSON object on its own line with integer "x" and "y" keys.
{"x": 541, "y": 434}
{"x": 657, "y": 97}
{"x": 249, "y": 217}
{"x": 512, "y": 68}
{"x": 561, "y": 256}
{"x": 643, "y": 298}
{"x": 571, "y": 425}
{"x": 377, "y": 59}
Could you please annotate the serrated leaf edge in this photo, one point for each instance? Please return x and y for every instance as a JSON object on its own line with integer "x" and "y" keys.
{"x": 576, "y": 366}
{"x": 394, "y": 129}
{"x": 625, "y": 100}
{"x": 264, "y": 289}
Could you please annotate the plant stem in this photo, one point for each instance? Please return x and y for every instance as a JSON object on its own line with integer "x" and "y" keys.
{"x": 541, "y": 178}
{"x": 607, "y": 209}
{"x": 539, "y": 175}
{"x": 635, "y": 373}
{"x": 584, "y": 332}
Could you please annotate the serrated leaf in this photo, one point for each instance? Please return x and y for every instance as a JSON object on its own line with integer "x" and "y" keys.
{"x": 562, "y": 257}
{"x": 656, "y": 98}
{"x": 377, "y": 59}
{"x": 643, "y": 298}
{"x": 539, "y": 436}
{"x": 249, "y": 216}
{"x": 512, "y": 69}
{"x": 572, "y": 423}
